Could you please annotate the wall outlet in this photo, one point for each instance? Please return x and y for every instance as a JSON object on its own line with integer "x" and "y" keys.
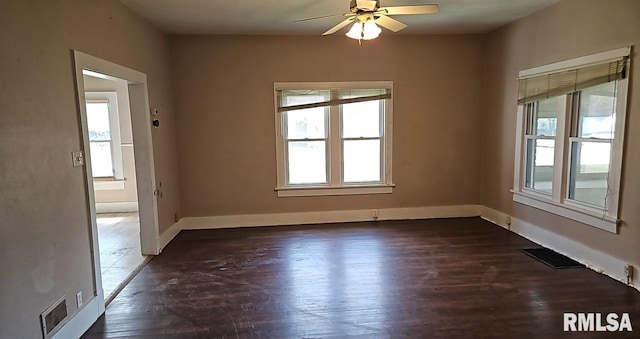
{"x": 375, "y": 214}
{"x": 176, "y": 217}
{"x": 79, "y": 299}
{"x": 507, "y": 221}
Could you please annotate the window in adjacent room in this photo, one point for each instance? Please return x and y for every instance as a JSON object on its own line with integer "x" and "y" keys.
{"x": 333, "y": 138}
{"x": 104, "y": 135}
{"x": 570, "y": 136}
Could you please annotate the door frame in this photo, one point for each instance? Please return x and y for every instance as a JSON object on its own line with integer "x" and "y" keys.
{"x": 143, "y": 150}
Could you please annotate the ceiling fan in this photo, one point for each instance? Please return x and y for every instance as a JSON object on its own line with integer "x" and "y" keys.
{"x": 365, "y": 14}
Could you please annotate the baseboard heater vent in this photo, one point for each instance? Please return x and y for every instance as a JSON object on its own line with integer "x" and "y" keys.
{"x": 53, "y": 316}
{"x": 551, "y": 258}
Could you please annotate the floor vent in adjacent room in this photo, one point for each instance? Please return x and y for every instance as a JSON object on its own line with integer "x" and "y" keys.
{"x": 53, "y": 316}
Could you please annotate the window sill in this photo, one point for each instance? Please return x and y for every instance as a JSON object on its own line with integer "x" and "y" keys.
{"x": 573, "y": 212}
{"x": 333, "y": 190}
{"x": 108, "y": 185}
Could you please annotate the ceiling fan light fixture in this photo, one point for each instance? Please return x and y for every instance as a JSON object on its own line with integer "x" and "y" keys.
{"x": 370, "y": 30}
{"x": 356, "y": 31}
{"x": 367, "y": 30}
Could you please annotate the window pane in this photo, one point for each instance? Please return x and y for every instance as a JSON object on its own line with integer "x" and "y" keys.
{"x": 299, "y": 97}
{"x": 588, "y": 181}
{"x": 546, "y": 117}
{"x": 306, "y": 123}
{"x": 307, "y": 162}
{"x": 596, "y": 117}
{"x": 361, "y": 160}
{"x": 361, "y": 119}
{"x": 101, "y": 161}
{"x": 540, "y": 156}
{"x": 98, "y": 121}
{"x": 530, "y": 108}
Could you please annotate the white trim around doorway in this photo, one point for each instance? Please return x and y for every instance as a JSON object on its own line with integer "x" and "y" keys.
{"x": 144, "y": 164}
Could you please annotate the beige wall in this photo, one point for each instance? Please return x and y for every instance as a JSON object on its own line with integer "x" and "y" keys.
{"x": 454, "y": 126}
{"x": 44, "y": 227}
{"x": 570, "y": 29}
{"x": 129, "y": 192}
{"x": 223, "y": 94}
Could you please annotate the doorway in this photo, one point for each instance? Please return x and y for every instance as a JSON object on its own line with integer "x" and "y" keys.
{"x": 114, "y": 180}
{"x": 127, "y": 168}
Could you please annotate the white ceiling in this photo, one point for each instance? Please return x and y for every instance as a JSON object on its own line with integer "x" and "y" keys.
{"x": 257, "y": 17}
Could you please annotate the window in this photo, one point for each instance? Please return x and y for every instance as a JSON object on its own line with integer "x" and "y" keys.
{"x": 570, "y": 136}
{"x": 104, "y": 135}
{"x": 333, "y": 138}
{"x": 592, "y": 133}
{"x": 542, "y": 122}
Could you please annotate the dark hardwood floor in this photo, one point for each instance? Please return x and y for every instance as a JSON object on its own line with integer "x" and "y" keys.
{"x": 444, "y": 278}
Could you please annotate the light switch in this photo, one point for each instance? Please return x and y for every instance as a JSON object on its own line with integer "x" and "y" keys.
{"x": 78, "y": 158}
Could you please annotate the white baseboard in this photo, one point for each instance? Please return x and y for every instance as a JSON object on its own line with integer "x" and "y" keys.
{"x": 495, "y": 217}
{"x": 302, "y": 218}
{"x": 168, "y": 235}
{"x": 594, "y": 259}
{"x": 80, "y": 322}
{"x": 115, "y": 207}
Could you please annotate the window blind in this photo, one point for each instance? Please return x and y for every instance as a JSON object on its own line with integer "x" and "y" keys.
{"x": 538, "y": 87}
{"x": 333, "y": 102}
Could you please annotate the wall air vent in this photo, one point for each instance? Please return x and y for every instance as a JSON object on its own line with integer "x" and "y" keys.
{"x": 53, "y": 316}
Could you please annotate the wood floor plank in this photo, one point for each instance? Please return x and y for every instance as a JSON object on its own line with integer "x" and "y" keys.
{"x": 447, "y": 278}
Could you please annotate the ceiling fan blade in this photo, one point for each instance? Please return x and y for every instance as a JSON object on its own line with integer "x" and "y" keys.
{"x": 324, "y": 16}
{"x": 417, "y": 9}
{"x": 390, "y": 24}
{"x": 338, "y": 26}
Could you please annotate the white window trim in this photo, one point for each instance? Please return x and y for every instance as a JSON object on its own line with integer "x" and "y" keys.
{"x": 108, "y": 185}
{"x": 116, "y": 143}
{"x": 557, "y": 203}
{"x": 342, "y": 190}
{"x": 334, "y": 161}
